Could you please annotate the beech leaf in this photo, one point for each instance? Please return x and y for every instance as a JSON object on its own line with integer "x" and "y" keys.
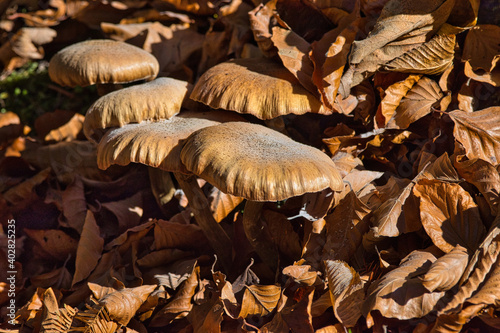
{"x": 259, "y": 300}
{"x": 445, "y": 272}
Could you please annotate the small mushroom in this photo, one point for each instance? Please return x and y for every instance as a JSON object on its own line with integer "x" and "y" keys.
{"x": 159, "y": 99}
{"x": 256, "y": 86}
{"x": 259, "y": 164}
{"x": 158, "y": 144}
{"x": 101, "y": 62}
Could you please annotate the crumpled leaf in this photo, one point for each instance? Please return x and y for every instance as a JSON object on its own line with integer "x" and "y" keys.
{"x": 259, "y": 300}
{"x": 59, "y": 125}
{"x": 260, "y": 22}
{"x": 417, "y": 103}
{"x": 123, "y": 304}
{"x": 449, "y": 215}
{"x": 399, "y": 28}
{"x": 222, "y": 204}
{"x": 481, "y": 54}
{"x": 479, "y": 133}
{"x": 302, "y": 274}
{"x": 89, "y": 249}
{"x": 55, "y": 242}
{"x": 55, "y": 319}
{"x": 208, "y": 316}
{"x": 346, "y": 291}
{"x": 400, "y": 293}
{"x": 445, "y": 272}
{"x": 484, "y": 176}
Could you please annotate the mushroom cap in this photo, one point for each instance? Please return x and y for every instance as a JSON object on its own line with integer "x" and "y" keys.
{"x": 101, "y": 61}
{"x": 159, "y": 99}
{"x": 156, "y": 143}
{"x": 258, "y": 163}
{"x": 257, "y": 86}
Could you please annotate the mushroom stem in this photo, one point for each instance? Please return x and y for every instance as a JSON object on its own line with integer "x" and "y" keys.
{"x": 258, "y": 234}
{"x": 217, "y": 237}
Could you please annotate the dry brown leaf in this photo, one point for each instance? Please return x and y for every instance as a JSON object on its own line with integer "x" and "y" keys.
{"x": 59, "y": 125}
{"x": 58, "y": 279}
{"x": 293, "y": 51}
{"x": 125, "y": 240}
{"x": 482, "y": 53}
{"x": 10, "y": 128}
{"x": 128, "y": 212}
{"x": 222, "y": 204}
{"x": 346, "y": 291}
{"x": 400, "y": 28}
{"x": 203, "y": 7}
{"x": 484, "y": 176}
{"x": 449, "y": 215}
{"x": 177, "y": 273}
{"x": 260, "y": 23}
{"x": 181, "y": 303}
{"x": 345, "y": 228}
{"x": 55, "y": 319}
{"x": 89, "y": 249}
{"x": 418, "y": 102}
{"x": 445, "y": 272}
{"x": 392, "y": 99}
{"x": 27, "y": 42}
{"x": 208, "y": 316}
{"x": 479, "y": 133}
{"x": 54, "y": 242}
{"x": 25, "y": 190}
{"x": 175, "y": 235}
{"x": 337, "y": 328}
{"x": 282, "y": 234}
{"x": 74, "y": 205}
{"x": 400, "y": 293}
{"x": 123, "y": 304}
{"x": 302, "y": 274}
{"x": 259, "y": 300}
{"x": 160, "y": 258}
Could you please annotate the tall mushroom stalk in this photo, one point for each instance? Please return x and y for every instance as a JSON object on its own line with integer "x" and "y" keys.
{"x": 258, "y": 164}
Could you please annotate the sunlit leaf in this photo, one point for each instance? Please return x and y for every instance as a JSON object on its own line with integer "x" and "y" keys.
{"x": 445, "y": 272}
{"x": 259, "y": 300}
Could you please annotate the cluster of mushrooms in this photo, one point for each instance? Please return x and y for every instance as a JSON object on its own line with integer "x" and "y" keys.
{"x": 156, "y": 123}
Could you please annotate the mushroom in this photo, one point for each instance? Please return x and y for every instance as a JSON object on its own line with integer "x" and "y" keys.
{"x": 102, "y": 62}
{"x": 158, "y": 144}
{"x": 159, "y": 99}
{"x": 270, "y": 90}
{"x": 258, "y": 164}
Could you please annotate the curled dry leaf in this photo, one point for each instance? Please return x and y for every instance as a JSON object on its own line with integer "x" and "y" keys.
{"x": 484, "y": 176}
{"x": 282, "y": 234}
{"x": 445, "y": 272}
{"x": 259, "y": 300}
{"x": 55, "y": 319}
{"x": 19, "y": 193}
{"x": 56, "y": 243}
{"x": 74, "y": 205}
{"x": 346, "y": 291}
{"x": 208, "y": 316}
{"x": 89, "y": 249}
{"x": 59, "y": 125}
{"x": 27, "y": 42}
{"x": 302, "y": 274}
{"x": 482, "y": 53}
{"x": 222, "y": 204}
{"x": 260, "y": 23}
{"x": 123, "y": 304}
{"x": 400, "y": 293}
{"x": 418, "y": 102}
{"x": 479, "y": 133}
{"x": 449, "y": 215}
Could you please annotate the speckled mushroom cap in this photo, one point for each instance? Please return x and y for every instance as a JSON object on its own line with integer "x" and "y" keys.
{"x": 101, "y": 61}
{"x": 257, "y": 86}
{"x": 156, "y": 143}
{"x": 258, "y": 163}
{"x": 159, "y": 99}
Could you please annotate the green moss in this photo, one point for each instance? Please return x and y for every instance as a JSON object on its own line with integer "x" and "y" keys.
{"x": 29, "y": 93}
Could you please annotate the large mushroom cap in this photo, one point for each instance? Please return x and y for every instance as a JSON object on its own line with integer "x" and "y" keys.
{"x": 159, "y": 99}
{"x": 258, "y": 163}
{"x": 256, "y": 86}
{"x": 155, "y": 143}
{"x": 101, "y": 61}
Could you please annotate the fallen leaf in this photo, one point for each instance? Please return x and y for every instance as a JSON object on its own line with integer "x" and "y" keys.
{"x": 53, "y": 317}
{"x": 259, "y": 300}
{"x": 175, "y": 235}
{"x": 447, "y": 270}
{"x": 449, "y": 215}
{"x": 56, "y": 243}
{"x": 282, "y": 234}
{"x": 89, "y": 249}
{"x": 222, "y": 204}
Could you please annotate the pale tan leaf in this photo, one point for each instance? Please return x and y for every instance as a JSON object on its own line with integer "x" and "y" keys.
{"x": 445, "y": 272}
{"x": 449, "y": 215}
{"x": 479, "y": 133}
{"x": 400, "y": 293}
{"x": 259, "y": 300}
{"x": 89, "y": 249}
{"x": 346, "y": 291}
{"x": 302, "y": 274}
{"x": 260, "y": 19}
{"x": 177, "y": 273}
{"x": 67, "y": 132}
{"x": 55, "y": 319}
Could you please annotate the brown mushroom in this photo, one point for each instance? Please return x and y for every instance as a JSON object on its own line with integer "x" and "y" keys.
{"x": 158, "y": 144}
{"x": 269, "y": 89}
{"x": 101, "y": 62}
{"x": 159, "y": 99}
{"x": 259, "y": 164}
